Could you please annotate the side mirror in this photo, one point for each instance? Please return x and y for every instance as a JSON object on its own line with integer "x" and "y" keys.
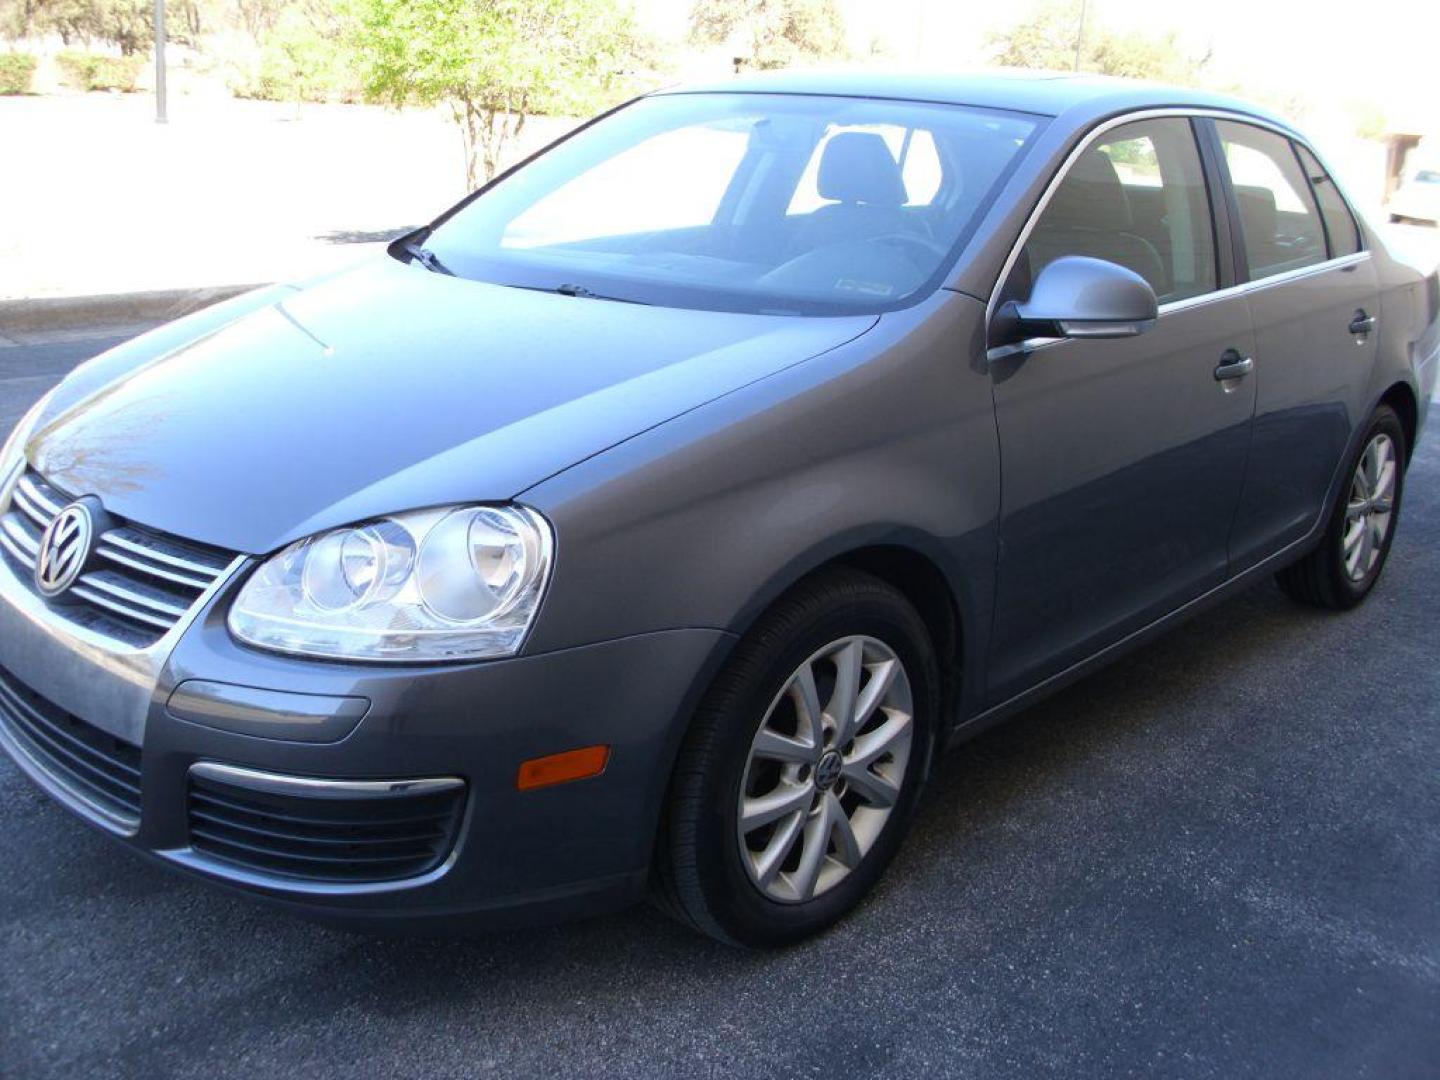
{"x": 1079, "y": 297}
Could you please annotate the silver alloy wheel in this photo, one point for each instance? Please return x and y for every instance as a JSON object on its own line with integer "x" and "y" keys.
{"x": 822, "y": 780}
{"x": 1370, "y": 507}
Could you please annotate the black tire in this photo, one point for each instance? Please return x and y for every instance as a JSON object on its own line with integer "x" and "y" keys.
{"x": 1319, "y": 579}
{"x": 698, "y": 875}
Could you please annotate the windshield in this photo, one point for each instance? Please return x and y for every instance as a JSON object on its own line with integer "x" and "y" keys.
{"x": 743, "y": 202}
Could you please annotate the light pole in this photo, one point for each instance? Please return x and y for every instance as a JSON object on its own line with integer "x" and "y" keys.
{"x": 160, "y": 61}
{"x": 1079, "y": 32}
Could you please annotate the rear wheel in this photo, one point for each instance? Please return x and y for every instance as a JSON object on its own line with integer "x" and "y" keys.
{"x": 801, "y": 770}
{"x": 1344, "y": 568}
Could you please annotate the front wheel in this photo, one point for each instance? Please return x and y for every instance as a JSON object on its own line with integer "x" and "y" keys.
{"x": 1344, "y": 568}
{"x": 801, "y": 770}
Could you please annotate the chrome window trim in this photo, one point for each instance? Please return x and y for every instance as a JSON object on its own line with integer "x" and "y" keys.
{"x": 1215, "y": 295}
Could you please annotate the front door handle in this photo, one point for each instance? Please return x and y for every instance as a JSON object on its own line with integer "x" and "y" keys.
{"x": 1362, "y": 323}
{"x": 1233, "y": 366}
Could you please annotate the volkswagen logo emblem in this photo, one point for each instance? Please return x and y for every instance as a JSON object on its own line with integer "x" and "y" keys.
{"x": 828, "y": 770}
{"x": 64, "y": 549}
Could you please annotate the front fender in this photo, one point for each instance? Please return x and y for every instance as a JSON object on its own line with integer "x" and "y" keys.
{"x": 704, "y": 520}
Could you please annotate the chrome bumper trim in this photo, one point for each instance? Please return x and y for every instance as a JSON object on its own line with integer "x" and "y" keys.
{"x": 317, "y": 788}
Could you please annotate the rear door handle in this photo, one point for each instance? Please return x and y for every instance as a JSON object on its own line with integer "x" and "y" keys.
{"x": 1362, "y": 323}
{"x": 1233, "y": 366}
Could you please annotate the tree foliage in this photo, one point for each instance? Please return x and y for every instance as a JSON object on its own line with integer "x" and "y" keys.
{"x": 126, "y": 24}
{"x": 1046, "y": 40}
{"x": 493, "y": 62}
{"x": 774, "y": 33}
{"x": 304, "y": 55}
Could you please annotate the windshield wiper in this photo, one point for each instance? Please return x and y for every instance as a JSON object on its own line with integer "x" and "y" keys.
{"x": 588, "y": 294}
{"x": 425, "y": 257}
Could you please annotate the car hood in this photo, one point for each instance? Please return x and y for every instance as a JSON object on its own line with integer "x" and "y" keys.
{"x": 386, "y": 388}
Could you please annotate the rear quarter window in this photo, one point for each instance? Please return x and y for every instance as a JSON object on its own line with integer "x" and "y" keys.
{"x": 1340, "y": 227}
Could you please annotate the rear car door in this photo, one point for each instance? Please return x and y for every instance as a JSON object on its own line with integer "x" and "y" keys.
{"x": 1314, "y": 301}
{"x": 1122, "y": 460}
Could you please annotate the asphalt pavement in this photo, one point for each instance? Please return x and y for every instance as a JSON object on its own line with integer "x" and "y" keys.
{"x": 1220, "y": 857}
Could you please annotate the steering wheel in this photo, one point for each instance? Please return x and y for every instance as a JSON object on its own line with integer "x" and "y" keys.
{"x": 919, "y": 243}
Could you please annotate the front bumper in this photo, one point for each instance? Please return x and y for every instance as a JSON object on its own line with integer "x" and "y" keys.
{"x": 516, "y": 855}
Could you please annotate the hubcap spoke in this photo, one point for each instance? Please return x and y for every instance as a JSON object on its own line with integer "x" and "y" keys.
{"x": 771, "y": 744}
{"x": 785, "y": 799}
{"x": 847, "y": 847}
{"x": 875, "y": 744}
{"x": 876, "y": 790}
{"x": 881, "y": 676}
{"x": 813, "y": 848}
{"x": 841, "y": 710}
{"x": 807, "y": 704}
{"x": 766, "y": 866}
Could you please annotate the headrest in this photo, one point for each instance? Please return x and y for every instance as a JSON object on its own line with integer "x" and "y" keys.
{"x": 857, "y": 167}
{"x": 1257, "y": 212}
{"x": 1090, "y": 197}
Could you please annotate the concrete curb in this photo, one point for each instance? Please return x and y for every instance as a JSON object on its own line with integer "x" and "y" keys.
{"x": 48, "y": 313}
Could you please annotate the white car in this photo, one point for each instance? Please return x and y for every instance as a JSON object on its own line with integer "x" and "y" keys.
{"x": 1418, "y": 198}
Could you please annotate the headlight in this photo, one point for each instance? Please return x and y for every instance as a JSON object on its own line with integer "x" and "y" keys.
{"x": 451, "y": 584}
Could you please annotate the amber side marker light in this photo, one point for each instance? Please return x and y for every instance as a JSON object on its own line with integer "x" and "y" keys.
{"x": 562, "y": 768}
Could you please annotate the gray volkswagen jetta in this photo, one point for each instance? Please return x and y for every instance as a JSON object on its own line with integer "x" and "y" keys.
{"x": 648, "y": 522}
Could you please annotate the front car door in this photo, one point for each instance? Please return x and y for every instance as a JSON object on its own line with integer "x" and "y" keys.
{"x": 1314, "y": 302}
{"x": 1122, "y": 460}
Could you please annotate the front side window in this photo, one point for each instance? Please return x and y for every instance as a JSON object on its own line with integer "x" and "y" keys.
{"x": 1136, "y": 196}
{"x": 744, "y": 202}
{"x": 1340, "y": 227}
{"x": 1279, "y": 221}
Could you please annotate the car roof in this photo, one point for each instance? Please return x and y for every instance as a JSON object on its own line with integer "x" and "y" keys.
{"x": 1039, "y": 92}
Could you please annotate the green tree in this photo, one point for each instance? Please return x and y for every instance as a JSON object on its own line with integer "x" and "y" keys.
{"x": 495, "y": 63}
{"x": 775, "y": 33}
{"x": 1046, "y": 40}
{"x": 304, "y": 57}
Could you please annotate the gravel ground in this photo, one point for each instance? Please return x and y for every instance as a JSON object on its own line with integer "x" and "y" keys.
{"x": 1218, "y": 858}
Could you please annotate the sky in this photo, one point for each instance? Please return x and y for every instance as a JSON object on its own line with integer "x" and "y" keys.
{"x": 1336, "y": 55}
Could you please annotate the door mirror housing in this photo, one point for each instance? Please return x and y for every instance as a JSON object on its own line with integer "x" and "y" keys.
{"x": 1079, "y": 297}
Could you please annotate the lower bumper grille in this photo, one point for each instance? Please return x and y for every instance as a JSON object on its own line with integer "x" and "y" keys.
{"x": 322, "y": 831}
{"x": 98, "y": 768}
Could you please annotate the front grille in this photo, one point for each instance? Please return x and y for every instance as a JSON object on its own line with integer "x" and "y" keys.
{"x": 140, "y": 582}
{"x": 354, "y": 840}
{"x": 101, "y": 769}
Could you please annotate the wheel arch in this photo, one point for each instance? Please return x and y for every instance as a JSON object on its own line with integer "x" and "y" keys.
{"x": 917, "y": 566}
{"x": 1402, "y": 399}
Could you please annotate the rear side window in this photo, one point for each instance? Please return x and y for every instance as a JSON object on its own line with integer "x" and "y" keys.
{"x": 1279, "y": 221}
{"x": 1340, "y": 227}
{"x": 1135, "y": 197}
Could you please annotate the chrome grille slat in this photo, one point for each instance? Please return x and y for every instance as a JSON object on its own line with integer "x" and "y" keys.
{"x": 140, "y": 584}
{"x": 30, "y": 509}
{"x": 32, "y": 493}
{"x": 111, "y": 604}
{"x": 107, "y": 550}
{"x": 23, "y": 545}
{"x": 16, "y": 552}
{"x": 120, "y": 589}
{"x": 134, "y": 542}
